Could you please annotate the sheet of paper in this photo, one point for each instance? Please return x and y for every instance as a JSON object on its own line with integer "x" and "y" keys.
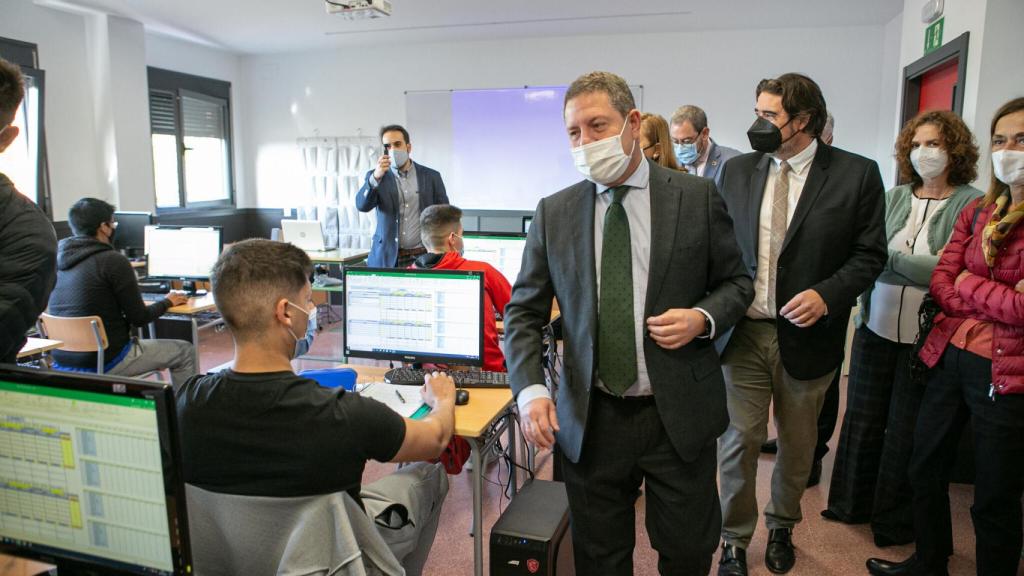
{"x": 405, "y": 400}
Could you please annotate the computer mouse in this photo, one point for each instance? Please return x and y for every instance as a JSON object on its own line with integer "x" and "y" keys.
{"x": 461, "y": 397}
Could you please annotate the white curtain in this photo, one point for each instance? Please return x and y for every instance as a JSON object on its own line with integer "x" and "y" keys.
{"x": 334, "y": 171}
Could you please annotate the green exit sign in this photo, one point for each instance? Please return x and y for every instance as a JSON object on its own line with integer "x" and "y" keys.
{"x": 933, "y": 36}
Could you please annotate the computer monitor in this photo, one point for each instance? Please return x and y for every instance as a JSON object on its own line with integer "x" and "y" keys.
{"x": 306, "y": 234}
{"x": 527, "y": 220}
{"x": 503, "y": 250}
{"x": 131, "y": 232}
{"x": 414, "y": 315}
{"x": 90, "y": 476}
{"x": 182, "y": 252}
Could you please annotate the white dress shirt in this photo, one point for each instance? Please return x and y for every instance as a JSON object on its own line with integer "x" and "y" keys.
{"x": 800, "y": 166}
{"x": 894, "y": 308}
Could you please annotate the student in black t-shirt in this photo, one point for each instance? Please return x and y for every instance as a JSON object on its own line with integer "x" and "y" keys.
{"x": 258, "y": 429}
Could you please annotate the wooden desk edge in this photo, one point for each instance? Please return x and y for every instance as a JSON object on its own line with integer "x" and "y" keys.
{"x": 35, "y": 346}
{"x": 490, "y": 398}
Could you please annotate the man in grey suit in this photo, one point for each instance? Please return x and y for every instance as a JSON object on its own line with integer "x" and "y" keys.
{"x": 693, "y": 146}
{"x": 646, "y": 270}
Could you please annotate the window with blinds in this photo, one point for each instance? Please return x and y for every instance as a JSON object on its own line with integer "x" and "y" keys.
{"x": 190, "y": 121}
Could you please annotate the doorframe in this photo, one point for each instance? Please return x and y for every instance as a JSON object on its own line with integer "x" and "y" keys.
{"x": 914, "y": 72}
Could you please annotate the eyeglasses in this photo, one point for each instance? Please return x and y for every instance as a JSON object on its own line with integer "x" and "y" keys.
{"x": 649, "y": 146}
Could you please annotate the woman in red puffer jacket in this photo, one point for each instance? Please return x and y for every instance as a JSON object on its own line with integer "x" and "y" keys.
{"x": 976, "y": 348}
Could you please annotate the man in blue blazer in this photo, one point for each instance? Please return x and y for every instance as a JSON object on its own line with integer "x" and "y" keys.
{"x": 693, "y": 146}
{"x": 400, "y": 190}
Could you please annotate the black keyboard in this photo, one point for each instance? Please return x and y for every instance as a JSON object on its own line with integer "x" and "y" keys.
{"x": 463, "y": 378}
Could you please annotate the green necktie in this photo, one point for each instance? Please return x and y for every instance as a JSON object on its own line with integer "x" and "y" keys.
{"x": 616, "y": 344}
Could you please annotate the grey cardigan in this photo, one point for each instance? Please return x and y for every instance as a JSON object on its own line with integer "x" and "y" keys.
{"x": 915, "y": 269}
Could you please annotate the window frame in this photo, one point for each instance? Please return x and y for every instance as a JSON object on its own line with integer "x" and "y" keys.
{"x": 178, "y": 84}
{"x": 26, "y": 56}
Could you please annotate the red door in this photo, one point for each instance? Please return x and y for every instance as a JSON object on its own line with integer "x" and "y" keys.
{"x": 938, "y": 87}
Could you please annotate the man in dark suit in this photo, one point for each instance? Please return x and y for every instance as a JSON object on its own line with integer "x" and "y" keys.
{"x": 809, "y": 220}
{"x": 645, "y": 267}
{"x": 400, "y": 190}
{"x": 693, "y": 146}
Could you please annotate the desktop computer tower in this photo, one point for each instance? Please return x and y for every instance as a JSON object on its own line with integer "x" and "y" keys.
{"x": 533, "y": 536}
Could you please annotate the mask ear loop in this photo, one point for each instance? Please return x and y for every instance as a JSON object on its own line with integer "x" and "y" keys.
{"x": 308, "y": 313}
{"x": 623, "y": 131}
{"x": 788, "y": 122}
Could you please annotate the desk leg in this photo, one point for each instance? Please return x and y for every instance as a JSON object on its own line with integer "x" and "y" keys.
{"x": 477, "y": 484}
{"x": 195, "y": 342}
{"x": 513, "y": 455}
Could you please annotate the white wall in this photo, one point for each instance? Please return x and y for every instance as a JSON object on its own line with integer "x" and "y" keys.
{"x": 350, "y": 90}
{"x": 995, "y": 59}
{"x": 960, "y": 16}
{"x": 71, "y": 140}
{"x": 889, "y": 102}
{"x": 118, "y": 84}
{"x": 1001, "y": 77}
{"x": 130, "y": 99}
{"x": 97, "y": 106}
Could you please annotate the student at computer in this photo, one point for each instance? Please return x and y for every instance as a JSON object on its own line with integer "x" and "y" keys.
{"x": 258, "y": 429}
{"x": 93, "y": 279}
{"x": 441, "y": 232}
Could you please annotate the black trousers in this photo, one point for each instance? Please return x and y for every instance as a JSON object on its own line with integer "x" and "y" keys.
{"x": 958, "y": 390}
{"x": 869, "y": 480}
{"x": 625, "y": 445}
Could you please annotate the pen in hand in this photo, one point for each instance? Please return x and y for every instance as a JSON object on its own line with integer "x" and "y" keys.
{"x": 399, "y": 394}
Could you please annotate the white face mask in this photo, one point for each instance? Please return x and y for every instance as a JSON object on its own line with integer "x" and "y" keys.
{"x": 1008, "y": 166}
{"x": 603, "y": 161}
{"x": 928, "y": 162}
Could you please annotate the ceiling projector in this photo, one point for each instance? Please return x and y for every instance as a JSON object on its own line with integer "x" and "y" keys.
{"x": 359, "y": 9}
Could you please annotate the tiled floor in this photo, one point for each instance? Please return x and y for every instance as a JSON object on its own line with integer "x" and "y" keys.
{"x": 823, "y": 548}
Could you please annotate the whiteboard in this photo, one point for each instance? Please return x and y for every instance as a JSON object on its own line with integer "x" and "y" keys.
{"x": 498, "y": 149}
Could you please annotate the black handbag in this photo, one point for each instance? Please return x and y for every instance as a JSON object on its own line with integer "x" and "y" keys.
{"x": 925, "y": 321}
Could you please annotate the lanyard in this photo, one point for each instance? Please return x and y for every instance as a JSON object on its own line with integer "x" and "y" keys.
{"x": 916, "y": 222}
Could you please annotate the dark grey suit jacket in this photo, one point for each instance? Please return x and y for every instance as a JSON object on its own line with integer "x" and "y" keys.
{"x": 835, "y": 244}
{"x": 695, "y": 262}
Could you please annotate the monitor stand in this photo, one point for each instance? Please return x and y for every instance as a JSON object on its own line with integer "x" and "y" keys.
{"x": 190, "y": 286}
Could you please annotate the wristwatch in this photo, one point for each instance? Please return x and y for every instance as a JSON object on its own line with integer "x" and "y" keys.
{"x": 707, "y": 326}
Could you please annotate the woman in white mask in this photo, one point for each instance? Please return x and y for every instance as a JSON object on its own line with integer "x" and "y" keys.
{"x": 937, "y": 158}
{"x": 976, "y": 351}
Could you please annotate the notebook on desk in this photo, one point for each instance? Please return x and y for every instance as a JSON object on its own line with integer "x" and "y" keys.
{"x": 404, "y": 400}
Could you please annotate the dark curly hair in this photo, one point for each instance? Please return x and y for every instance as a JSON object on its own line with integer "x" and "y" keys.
{"x": 957, "y": 140}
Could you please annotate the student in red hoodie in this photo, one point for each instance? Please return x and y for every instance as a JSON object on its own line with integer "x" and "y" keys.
{"x": 441, "y": 232}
